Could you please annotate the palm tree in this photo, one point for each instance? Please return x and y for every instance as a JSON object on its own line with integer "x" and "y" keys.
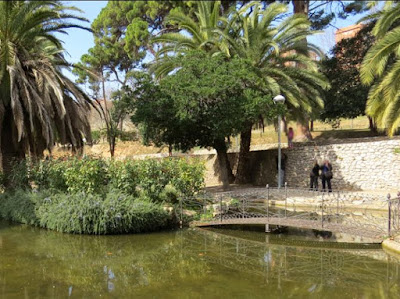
{"x": 38, "y": 103}
{"x": 193, "y": 34}
{"x": 277, "y": 50}
{"x": 381, "y": 69}
{"x": 200, "y": 34}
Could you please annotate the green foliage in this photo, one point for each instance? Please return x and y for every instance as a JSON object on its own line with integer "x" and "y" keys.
{"x": 86, "y": 175}
{"x": 234, "y": 203}
{"x": 321, "y": 13}
{"x": 205, "y": 101}
{"x": 381, "y": 69}
{"x": 117, "y": 213}
{"x": 72, "y": 175}
{"x": 163, "y": 180}
{"x": 18, "y": 176}
{"x": 50, "y": 174}
{"x": 348, "y": 96}
{"x": 98, "y": 135}
{"x": 38, "y": 101}
{"x": 123, "y": 28}
{"x": 128, "y": 136}
{"x": 124, "y": 176}
{"x": 195, "y": 34}
{"x": 20, "y": 206}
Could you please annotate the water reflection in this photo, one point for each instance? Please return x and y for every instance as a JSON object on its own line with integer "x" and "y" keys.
{"x": 187, "y": 264}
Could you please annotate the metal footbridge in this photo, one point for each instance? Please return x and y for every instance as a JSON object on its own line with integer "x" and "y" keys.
{"x": 367, "y": 217}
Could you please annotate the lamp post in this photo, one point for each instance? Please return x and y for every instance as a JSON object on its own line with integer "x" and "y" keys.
{"x": 279, "y": 99}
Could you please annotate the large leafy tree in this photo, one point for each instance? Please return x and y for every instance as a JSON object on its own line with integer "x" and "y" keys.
{"x": 203, "y": 103}
{"x": 321, "y": 13}
{"x": 381, "y": 68}
{"x": 348, "y": 96}
{"x": 38, "y": 103}
{"x": 121, "y": 35}
{"x": 250, "y": 34}
{"x": 273, "y": 45}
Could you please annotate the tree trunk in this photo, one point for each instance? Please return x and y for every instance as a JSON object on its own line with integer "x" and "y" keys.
{"x": 112, "y": 145}
{"x": 11, "y": 150}
{"x": 107, "y": 119}
{"x": 285, "y": 126}
{"x": 303, "y": 132}
{"x": 372, "y": 125}
{"x": 311, "y": 126}
{"x": 301, "y": 6}
{"x": 170, "y": 150}
{"x": 225, "y": 169}
{"x": 242, "y": 175}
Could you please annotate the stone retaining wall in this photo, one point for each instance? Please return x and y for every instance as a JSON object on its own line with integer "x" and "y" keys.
{"x": 358, "y": 164}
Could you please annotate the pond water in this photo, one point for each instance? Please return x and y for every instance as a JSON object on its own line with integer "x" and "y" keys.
{"x": 190, "y": 263}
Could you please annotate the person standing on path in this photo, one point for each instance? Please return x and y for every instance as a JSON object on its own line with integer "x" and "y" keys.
{"x": 326, "y": 175}
{"x": 314, "y": 175}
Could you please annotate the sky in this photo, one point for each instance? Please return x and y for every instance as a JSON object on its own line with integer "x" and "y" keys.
{"x": 78, "y": 41}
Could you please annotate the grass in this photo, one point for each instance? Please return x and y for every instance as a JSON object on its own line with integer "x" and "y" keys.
{"x": 356, "y": 128}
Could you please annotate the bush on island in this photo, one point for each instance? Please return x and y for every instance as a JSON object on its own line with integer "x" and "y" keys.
{"x": 117, "y": 213}
{"x": 94, "y": 196}
{"x": 82, "y": 213}
{"x": 145, "y": 178}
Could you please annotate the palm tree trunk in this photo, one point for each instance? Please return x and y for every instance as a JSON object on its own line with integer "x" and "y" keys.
{"x": 285, "y": 125}
{"x": 242, "y": 175}
{"x": 303, "y": 131}
{"x": 226, "y": 174}
{"x": 372, "y": 124}
{"x": 11, "y": 150}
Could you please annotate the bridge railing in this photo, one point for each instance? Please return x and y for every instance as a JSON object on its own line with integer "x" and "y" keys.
{"x": 344, "y": 208}
{"x": 393, "y": 214}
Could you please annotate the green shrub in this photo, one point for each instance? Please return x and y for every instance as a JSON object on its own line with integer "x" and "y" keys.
{"x": 163, "y": 180}
{"x": 20, "y": 206}
{"x": 18, "y": 177}
{"x": 189, "y": 177}
{"x": 90, "y": 214}
{"x": 179, "y": 174}
{"x": 96, "y": 136}
{"x": 2, "y": 181}
{"x": 86, "y": 175}
{"x": 50, "y": 174}
{"x": 128, "y": 136}
{"x": 124, "y": 176}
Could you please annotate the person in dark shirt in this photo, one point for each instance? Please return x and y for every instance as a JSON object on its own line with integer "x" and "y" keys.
{"x": 326, "y": 175}
{"x": 314, "y": 174}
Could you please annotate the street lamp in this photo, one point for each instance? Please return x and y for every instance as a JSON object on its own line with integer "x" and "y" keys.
{"x": 279, "y": 99}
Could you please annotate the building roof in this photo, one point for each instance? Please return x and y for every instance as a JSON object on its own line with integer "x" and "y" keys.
{"x": 347, "y": 32}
